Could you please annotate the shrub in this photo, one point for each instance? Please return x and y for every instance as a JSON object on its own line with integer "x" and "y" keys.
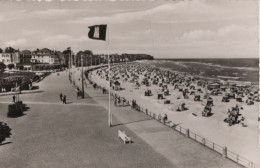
{"x": 2, "y": 67}
{"x": 20, "y": 67}
{"x": 10, "y": 66}
{"x": 5, "y": 132}
{"x": 16, "y": 110}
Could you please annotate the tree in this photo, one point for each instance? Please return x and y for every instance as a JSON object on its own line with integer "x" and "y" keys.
{"x": 10, "y": 66}
{"x": 1, "y": 50}
{"x": 20, "y": 67}
{"x": 37, "y": 67}
{"x": 2, "y": 67}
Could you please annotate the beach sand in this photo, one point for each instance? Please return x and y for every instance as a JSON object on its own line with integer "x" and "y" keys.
{"x": 241, "y": 140}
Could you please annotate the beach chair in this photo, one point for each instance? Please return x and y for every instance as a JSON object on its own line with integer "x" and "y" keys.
{"x": 166, "y": 93}
{"x": 209, "y": 102}
{"x": 197, "y": 98}
{"x": 160, "y": 96}
{"x": 239, "y": 99}
{"x": 207, "y": 111}
{"x": 225, "y": 99}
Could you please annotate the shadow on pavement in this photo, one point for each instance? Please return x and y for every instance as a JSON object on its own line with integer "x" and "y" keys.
{"x": 6, "y": 143}
{"x": 131, "y": 122}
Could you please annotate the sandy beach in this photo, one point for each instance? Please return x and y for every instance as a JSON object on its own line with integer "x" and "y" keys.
{"x": 238, "y": 139}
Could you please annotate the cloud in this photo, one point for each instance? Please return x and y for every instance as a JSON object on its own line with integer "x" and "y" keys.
{"x": 16, "y": 43}
{"x": 175, "y": 12}
{"x": 228, "y": 33}
{"x": 50, "y": 12}
{"x": 32, "y": 32}
{"x": 166, "y": 29}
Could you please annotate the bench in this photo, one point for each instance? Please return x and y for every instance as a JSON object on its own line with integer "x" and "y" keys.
{"x": 124, "y": 137}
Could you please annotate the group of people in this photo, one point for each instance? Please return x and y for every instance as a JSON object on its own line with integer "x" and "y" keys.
{"x": 63, "y": 98}
{"x": 164, "y": 119}
{"x": 118, "y": 100}
{"x": 79, "y": 93}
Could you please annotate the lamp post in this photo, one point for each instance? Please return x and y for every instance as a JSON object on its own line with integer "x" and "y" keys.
{"x": 82, "y": 76}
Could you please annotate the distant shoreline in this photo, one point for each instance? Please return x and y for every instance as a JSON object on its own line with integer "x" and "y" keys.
{"x": 199, "y": 58}
{"x": 243, "y": 70}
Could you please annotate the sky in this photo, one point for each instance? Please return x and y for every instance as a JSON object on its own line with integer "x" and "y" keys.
{"x": 163, "y": 29}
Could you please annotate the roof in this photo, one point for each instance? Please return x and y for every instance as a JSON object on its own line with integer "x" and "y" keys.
{"x": 10, "y": 50}
{"x": 26, "y": 52}
{"x": 45, "y": 50}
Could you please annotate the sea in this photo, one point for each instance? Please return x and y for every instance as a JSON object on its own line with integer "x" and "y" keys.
{"x": 244, "y": 69}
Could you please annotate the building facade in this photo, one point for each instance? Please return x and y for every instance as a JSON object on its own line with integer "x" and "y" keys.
{"x": 6, "y": 58}
{"x": 10, "y": 56}
{"x": 45, "y": 56}
{"x": 25, "y": 56}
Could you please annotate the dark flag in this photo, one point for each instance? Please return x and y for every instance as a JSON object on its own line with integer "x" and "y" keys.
{"x": 97, "y": 32}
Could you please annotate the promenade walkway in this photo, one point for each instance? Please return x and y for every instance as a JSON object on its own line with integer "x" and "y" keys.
{"x": 73, "y": 135}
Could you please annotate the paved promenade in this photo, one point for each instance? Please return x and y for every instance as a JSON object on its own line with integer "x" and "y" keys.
{"x": 75, "y": 135}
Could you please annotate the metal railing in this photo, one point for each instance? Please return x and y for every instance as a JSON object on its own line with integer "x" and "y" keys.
{"x": 203, "y": 141}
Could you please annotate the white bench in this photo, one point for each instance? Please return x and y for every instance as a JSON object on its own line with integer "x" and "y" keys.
{"x": 124, "y": 137}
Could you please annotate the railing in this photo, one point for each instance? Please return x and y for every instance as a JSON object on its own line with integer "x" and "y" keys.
{"x": 203, "y": 141}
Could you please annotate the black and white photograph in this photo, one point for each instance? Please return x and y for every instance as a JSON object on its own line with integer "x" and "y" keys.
{"x": 129, "y": 84}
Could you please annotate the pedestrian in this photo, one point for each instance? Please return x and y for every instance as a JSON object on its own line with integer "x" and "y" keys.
{"x": 64, "y": 99}
{"x": 124, "y": 101}
{"x": 115, "y": 101}
{"x": 78, "y": 92}
{"x": 14, "y": 98}
{"x": 165, "y": 118}
{"x": 133, "y": 103}
{"x": 119, "y": 100}
{"x": 61, "y": 97}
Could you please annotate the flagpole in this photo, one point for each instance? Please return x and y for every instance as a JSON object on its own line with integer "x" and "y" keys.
{"x": 109, "y": 111}
{"x": 69, "y": 69}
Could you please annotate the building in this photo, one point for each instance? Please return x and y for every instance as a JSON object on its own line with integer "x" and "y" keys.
{"x": 10, "y": 56}
{"x": 25, "y": 56}
{"x": 6, "y": 58}
{"x": 45, "y": 55}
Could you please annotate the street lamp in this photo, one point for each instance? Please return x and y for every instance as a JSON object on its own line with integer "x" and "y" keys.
{"x": 82, "y": 77}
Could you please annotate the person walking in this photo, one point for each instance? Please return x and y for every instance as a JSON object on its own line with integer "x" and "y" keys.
{"x": 165, "y": 118}
{"x": 115, "y": 101}
{"x": 14, "y": 98}
{"x": 78, "y": 92}
{"x": 61, "y": 97}
{"x": 124, "y": 101}
{"x": 64, "y": 99}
